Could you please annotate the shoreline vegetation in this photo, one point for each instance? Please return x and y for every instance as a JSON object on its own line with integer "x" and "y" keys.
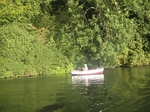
{"x": 54, "y": 36}
{"x": 37, "y": 75}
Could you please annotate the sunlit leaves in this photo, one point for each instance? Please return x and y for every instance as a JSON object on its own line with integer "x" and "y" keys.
{"x": 110, "y": 34}
{"x": 23, "y": 53}
{"x": 17, "y": 12}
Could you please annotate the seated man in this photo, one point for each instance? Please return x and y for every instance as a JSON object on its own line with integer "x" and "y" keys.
{"x": 85, "y": 67}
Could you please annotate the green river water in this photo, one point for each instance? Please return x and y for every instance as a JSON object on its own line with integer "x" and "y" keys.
{"x": 117, "y": 90}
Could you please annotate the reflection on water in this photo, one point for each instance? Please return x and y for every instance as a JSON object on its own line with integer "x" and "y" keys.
{"x": 88, "y": 79}
{"x": 123, "y": 90}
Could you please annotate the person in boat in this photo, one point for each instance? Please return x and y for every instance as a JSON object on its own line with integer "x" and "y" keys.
{"x": 85, "y": 67}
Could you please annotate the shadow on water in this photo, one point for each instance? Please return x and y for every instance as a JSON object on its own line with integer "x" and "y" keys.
{"x": 51, "y": 108}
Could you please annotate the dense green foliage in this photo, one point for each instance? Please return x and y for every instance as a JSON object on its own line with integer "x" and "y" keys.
{"x": 49, "y": 36}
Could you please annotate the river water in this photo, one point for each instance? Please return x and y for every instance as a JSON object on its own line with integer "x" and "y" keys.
{"x": 117, "y": 90}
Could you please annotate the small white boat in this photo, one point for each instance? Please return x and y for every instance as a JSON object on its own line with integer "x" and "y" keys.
{"x": 87, "y": 71}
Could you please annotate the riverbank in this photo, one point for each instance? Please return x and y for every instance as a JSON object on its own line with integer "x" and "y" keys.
{"x": 36, "y": 75}
{"x": 17, "y": 76}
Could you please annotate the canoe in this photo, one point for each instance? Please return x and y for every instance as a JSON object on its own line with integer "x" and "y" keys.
{"x": 87, "y": 72}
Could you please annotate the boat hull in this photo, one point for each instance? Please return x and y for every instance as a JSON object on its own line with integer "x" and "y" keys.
{"x": 88, "y": 72}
